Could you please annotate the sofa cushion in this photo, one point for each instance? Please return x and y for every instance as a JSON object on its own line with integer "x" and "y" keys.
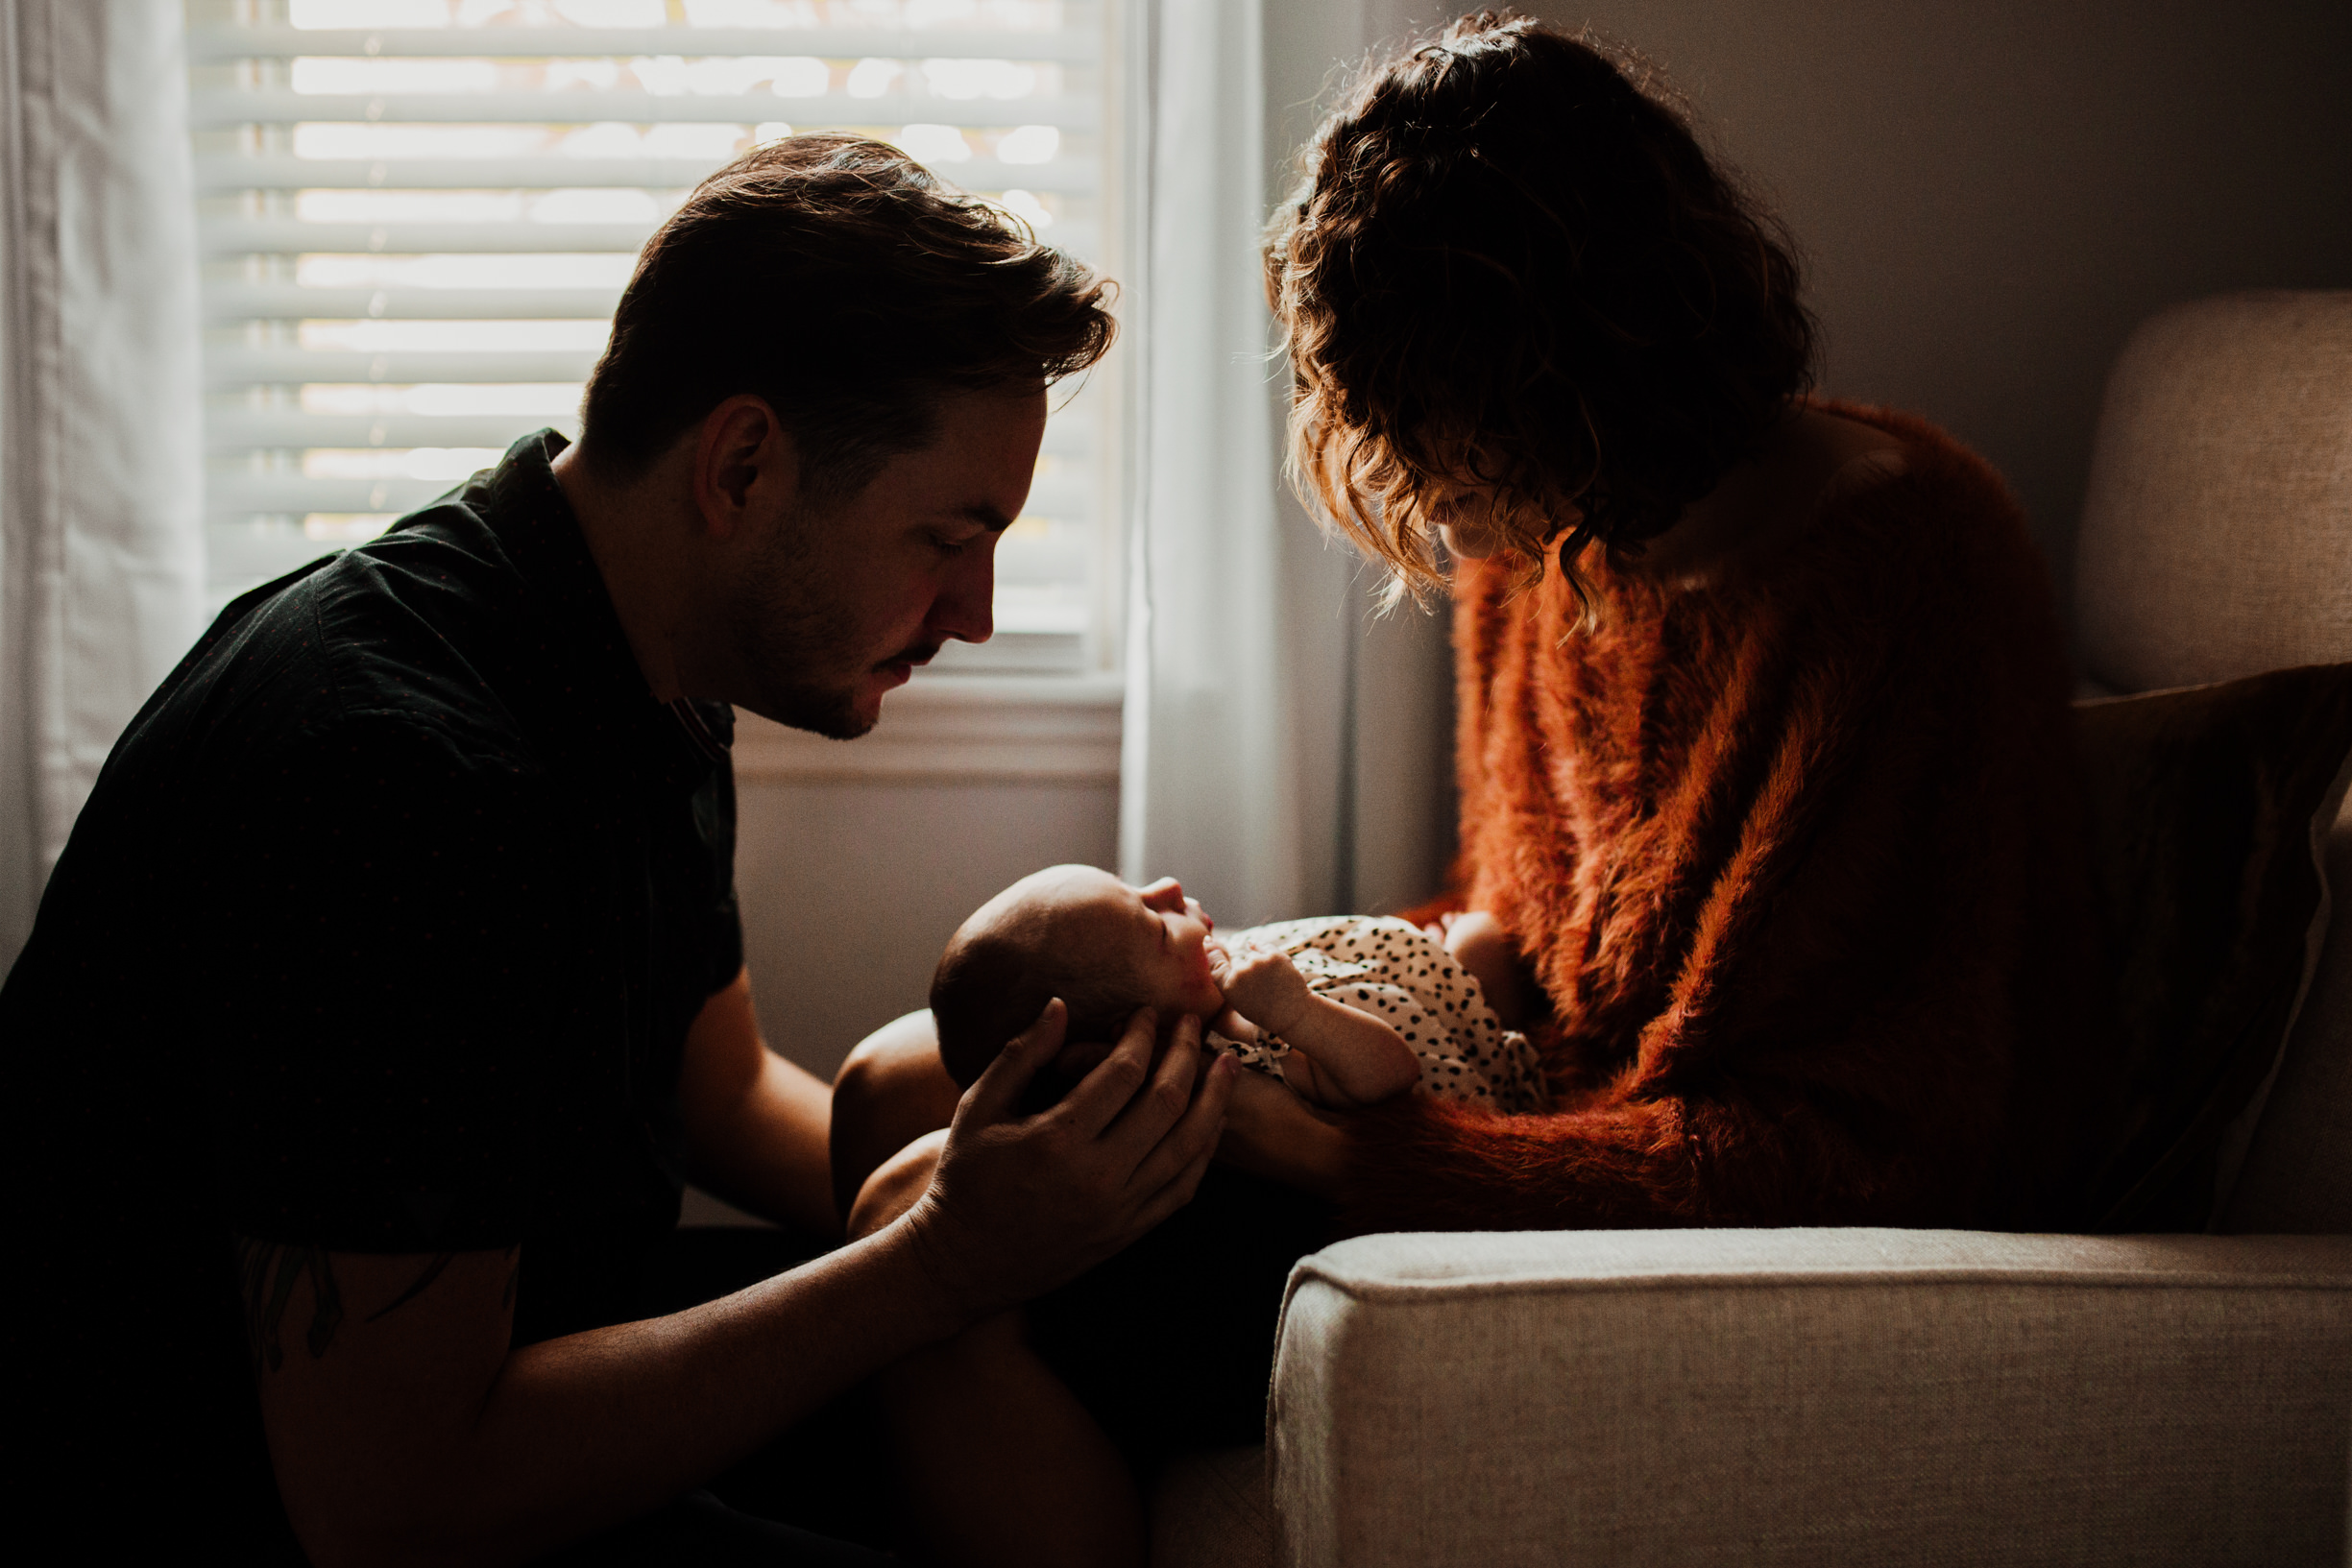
{"x": 2297, "y": 1173}
{"x": 1212, "y": 1509}
{"x": 2217, "y": 526}
{"x": 1814, "y": 1397}
{"x": 2208, "y": 808}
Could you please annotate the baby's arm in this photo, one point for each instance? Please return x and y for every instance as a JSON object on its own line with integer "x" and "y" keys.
{"x": 1339, "y": 1057}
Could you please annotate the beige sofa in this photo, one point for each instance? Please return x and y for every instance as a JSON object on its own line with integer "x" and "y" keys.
{"x": 1890, "y": 1397}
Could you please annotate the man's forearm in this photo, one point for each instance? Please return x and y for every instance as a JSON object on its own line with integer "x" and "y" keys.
{"x": 412, "y": 1432}
{"x": 755, "y": 1124}
{"x": 579, "y": 1433}
{"x": 770, "y": 1155}
{"x": 652, "y": 1409}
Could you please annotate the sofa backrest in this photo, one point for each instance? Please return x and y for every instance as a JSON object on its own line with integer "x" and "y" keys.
{"x": 2216, "y": 543}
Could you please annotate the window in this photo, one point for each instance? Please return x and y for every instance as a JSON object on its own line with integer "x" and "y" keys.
{"x": 417, "y": 215}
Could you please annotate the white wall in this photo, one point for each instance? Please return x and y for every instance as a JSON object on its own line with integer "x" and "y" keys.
{"x": 849, "y": 889}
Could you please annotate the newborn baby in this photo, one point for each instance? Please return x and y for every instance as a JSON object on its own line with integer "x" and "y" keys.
{"x": 1345, "y": 1009}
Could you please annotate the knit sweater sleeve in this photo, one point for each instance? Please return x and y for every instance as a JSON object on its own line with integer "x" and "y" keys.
{"x": 1797, "y": 859}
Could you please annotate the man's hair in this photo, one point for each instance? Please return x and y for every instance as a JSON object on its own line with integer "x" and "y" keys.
{"x": 991, "y": 984}
{"x": 846, "y": 285}
{"x": 1509, "y": 263}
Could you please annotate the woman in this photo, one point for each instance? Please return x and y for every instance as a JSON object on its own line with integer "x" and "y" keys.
{"x": 1763, "y": 753}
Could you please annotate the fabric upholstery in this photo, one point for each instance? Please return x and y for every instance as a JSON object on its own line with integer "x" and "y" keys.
{"x": 2216, "y": 529}
{"x": 2207, "y": 808}
{"x": 2296, "y": 1177}
{"x": 1814, "y": 1397}
{"x": 2216, "y": 540}
{"x": 1212, "y": 1509}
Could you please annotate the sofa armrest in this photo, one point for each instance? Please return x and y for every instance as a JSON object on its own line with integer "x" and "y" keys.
{"x": 1814, "y": 1397}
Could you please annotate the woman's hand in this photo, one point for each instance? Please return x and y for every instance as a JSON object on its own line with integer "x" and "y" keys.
{"x": 1271, "y": 1132}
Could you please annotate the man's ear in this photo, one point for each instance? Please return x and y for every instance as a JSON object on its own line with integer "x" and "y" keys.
{"x": 745, "y": 463}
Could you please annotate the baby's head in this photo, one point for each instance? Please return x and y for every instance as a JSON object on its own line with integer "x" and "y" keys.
{"x": 1074, "y": 932}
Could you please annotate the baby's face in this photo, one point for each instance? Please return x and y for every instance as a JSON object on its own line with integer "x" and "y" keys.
{"x": 1155, "y": 933}
{"x": 1171, "y": 950}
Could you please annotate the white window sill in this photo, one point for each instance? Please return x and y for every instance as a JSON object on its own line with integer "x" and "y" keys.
{"x": 955, "y": 727}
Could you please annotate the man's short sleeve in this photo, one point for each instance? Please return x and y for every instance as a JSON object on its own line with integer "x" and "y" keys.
{"x": 383, "y": 954}
{"x": 718, "y": 922}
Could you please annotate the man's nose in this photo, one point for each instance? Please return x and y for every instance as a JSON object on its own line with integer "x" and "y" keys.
{"x": 966, "y": 607}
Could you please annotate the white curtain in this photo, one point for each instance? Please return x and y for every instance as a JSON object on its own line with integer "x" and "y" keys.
{"x": 1285, "y": 753}
{"x": 101, "y": 455}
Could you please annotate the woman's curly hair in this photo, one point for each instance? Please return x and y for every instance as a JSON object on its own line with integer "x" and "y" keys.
{"x": 1510, "y": 268}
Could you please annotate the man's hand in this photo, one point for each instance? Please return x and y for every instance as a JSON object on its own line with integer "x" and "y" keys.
{"x": 405, "y": 1428}
{"x": 1262, "y": 985}
{"x": 1019, "y": 1205}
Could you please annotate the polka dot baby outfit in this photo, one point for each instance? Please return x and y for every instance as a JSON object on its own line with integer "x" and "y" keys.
{"x": 1393, "y": 971}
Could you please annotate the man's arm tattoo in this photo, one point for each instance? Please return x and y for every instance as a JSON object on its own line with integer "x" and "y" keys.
{"x": 268, "y": 1272}
{"x": 432, "y": 1272}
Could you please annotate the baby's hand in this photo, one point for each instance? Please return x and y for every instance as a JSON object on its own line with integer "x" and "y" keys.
{"x": 1264, "y": 987}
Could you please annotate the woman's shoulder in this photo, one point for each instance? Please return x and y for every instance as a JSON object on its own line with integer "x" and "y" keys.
{"x": 1921, "y": 566}
{"x": 1908, "y": 558}
{"x": 1826, "y": 461}
{"x": 1895, "y": 460}
{"x": 1869, "y": 539}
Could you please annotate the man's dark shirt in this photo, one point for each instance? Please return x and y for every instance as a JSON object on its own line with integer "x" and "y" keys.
{"x": 380, "y": 932}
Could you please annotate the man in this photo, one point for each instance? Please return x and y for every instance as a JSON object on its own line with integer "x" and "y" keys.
{"x": 391, "y": 978}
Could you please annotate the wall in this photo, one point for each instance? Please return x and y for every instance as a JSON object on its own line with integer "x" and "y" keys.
{"x": 1993, "y": 192}
{"x": 1386, "y": 770}
{"x": 850, "y": 888}
{"x": 854, "y": 863}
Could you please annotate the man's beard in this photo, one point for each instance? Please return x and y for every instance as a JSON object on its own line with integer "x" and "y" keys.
{"x": 805, "y": 704}
{"x": 800, "y": 644}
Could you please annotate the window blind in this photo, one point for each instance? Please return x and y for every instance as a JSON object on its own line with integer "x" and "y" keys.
{"x": 415, "y": 218}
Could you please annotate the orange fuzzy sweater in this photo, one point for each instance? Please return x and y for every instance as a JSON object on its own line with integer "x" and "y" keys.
{"x": 1796, "y": 857}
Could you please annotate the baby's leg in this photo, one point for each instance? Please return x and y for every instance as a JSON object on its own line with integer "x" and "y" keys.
{"x": 1477, "y": 941}
{"x": 891, "y": 1091}
{"x": 997, "y": 1461}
